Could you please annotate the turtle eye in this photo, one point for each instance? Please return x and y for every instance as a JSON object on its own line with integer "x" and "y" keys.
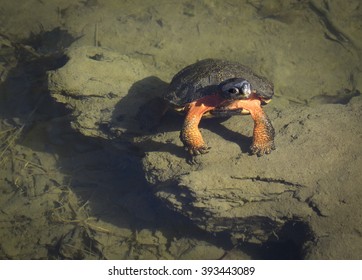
{"x": 233, "y": 90}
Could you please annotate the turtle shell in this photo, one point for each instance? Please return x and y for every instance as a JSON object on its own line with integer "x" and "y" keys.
{"x": 203, "y": 78}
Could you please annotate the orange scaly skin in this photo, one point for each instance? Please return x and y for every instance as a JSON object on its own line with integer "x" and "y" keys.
{"x": 263, "y": 136}
{"x": 190, "y": 134}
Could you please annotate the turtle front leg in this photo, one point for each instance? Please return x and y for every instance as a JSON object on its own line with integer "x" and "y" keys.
{"x": 263, "y": 136}
{"x": 190, "y": 134}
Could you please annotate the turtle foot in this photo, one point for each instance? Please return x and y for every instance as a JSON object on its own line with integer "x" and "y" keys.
{"x": 195, "y": 151}
{"x": 260, "y": 149}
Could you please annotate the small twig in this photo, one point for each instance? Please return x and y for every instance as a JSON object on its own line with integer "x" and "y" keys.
{"x": 7, "y": 130}
{"x": 10, "y": 141}
{"x": 84, "y": 223}
{"x": 29, "y": 163}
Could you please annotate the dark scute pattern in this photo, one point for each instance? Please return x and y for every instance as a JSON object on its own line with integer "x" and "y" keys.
{"x": 203, "y": 77}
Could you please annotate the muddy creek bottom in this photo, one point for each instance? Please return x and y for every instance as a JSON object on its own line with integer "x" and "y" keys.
{"x": 65, "y": 196}
{"x": 72, "y": 188}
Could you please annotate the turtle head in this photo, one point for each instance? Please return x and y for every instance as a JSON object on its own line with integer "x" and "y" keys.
{"x": 235, "y": 88}
{"x": 239, "y": 88}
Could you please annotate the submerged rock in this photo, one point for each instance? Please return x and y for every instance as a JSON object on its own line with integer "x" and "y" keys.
{"x": 305, "y": 192}
{"x": 104, "y": 90}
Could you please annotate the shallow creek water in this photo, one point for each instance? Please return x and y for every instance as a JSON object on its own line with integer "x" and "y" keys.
{"x": 68, "y": 196}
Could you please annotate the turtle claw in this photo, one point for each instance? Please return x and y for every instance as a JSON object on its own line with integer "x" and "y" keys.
{"x": 195, "y": 151}
{"x": 260, "y": 150}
